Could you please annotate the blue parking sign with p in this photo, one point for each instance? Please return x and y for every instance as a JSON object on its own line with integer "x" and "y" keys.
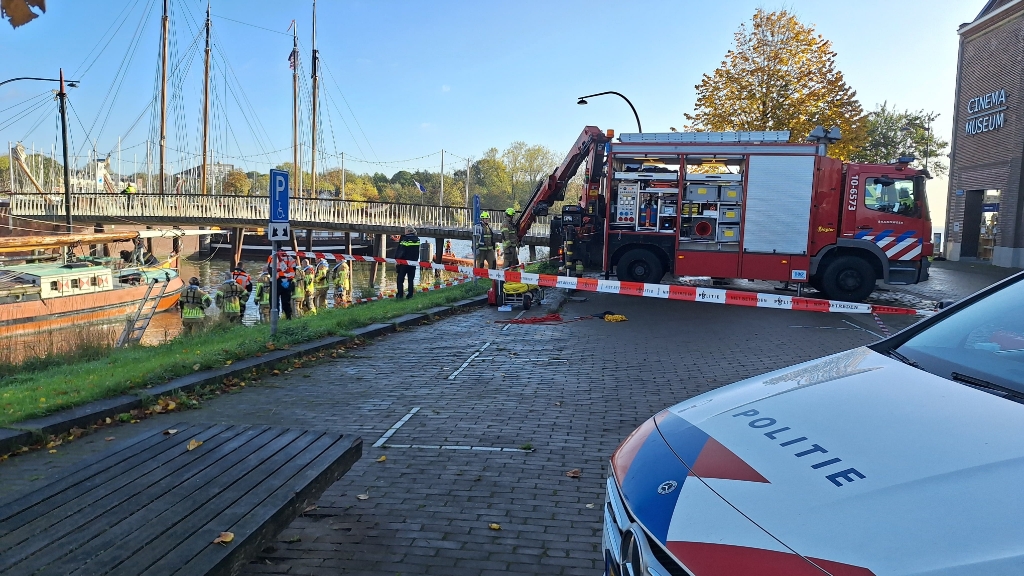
{"x": 278, "y": 196}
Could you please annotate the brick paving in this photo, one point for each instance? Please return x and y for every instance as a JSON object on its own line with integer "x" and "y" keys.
{"x": 572, "y": 391}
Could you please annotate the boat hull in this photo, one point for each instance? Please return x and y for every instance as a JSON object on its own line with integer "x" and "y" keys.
{"x": 53, "y": 313}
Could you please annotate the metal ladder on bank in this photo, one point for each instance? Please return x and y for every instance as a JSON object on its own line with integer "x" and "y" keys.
{"x": 136, "y": 326}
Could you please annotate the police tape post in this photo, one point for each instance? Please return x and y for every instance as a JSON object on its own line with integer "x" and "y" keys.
{"x": 664, "y": 291}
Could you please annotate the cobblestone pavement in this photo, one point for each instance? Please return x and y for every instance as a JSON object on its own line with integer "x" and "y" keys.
{"x": 569, "y": 391}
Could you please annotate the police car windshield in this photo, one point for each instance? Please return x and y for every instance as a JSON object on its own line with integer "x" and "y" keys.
{"x": 984, "y": 341}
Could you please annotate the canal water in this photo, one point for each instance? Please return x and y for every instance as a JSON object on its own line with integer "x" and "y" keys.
{"x": 212, "y": 271}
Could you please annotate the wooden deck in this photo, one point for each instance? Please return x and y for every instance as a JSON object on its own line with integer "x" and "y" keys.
{"x": 154, "y": 507}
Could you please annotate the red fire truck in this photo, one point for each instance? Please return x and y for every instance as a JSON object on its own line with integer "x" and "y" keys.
{"x": 747, "y": 205}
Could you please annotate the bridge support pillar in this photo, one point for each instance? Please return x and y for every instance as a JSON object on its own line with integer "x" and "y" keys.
{"x": 438, "y": 250}
{"x": 237, "y": 236}
{"x": 379, "y": 250}
{"x": 149, "y": 241}
{"x": 348, "y": 243}
{"x": 95, "y": 249}
{"x": 309, "y": 240}
{"x": 176, "y": 245}
{"x": 533, "y": 253}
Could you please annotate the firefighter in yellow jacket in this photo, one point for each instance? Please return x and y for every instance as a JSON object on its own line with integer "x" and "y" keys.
{"x": 321, "y": 282}
{"x": 229, "y": 299}
{"x": 263, "y": 289}
{"x": 299, "y": 293}
{"x": 193, "y": 304}
{"x": 340, "y": 276}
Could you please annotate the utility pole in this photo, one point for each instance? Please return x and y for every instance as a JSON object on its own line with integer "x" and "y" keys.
{"x": 163, "y": 91}
{"x": 63, "y": 97}
{"x": 312, "y": 123}
{"x": 296, "y": 170}
{"x": 206, "y": 104}
{"x": 467, "y": 182}
{"x": 440, "y": 198}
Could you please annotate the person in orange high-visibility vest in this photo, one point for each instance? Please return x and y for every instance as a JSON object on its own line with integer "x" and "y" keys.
{"x": 285, "y": 280}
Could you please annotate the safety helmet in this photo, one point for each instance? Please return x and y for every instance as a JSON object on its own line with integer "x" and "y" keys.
{"x": 485, "y": 215}
{"x": 510, "y": 211}
{"x": 193, "y": 281}
{"x": 309, "y": 268}
{"x": 239, "y": 269}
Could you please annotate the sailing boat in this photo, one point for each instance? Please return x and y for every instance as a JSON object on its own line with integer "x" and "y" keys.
{"x": 45, "y": 295}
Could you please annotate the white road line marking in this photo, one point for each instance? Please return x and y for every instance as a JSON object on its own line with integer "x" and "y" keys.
{"x": 395, "y": 428}
{"x": 467, "y": 362}
{"x": 876, "y": 335}
{"x": 456, "y": 447}
{"x": 507, "y": 326}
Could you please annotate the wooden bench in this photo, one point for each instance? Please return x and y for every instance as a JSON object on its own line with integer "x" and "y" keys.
{"x": 152, "y": 506}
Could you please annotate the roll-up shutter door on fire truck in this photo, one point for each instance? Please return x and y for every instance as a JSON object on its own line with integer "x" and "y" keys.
{"x": 778, "y": 206}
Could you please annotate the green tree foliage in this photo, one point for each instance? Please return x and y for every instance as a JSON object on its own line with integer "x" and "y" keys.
{"x": 893, "y": 133}
{"x": 780, "y": 75}
{"x": 237, "y": 183}
{"x": 5, "y": 172}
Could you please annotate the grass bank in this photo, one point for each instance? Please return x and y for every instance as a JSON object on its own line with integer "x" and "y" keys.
{"x": 43, "y": 387}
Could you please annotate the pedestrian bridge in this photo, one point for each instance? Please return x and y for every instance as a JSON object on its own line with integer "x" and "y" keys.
{"x": 251, "y": 212}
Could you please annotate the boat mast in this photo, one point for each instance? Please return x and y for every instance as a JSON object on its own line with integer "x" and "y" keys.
{"x": 296, "y": 169}
{"x": 163, "y": 93}
{"x": 316, "y": 57}
{"x": 206, "y": 104}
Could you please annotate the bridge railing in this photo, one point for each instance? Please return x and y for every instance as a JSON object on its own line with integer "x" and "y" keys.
{"x": 252, "y": 210}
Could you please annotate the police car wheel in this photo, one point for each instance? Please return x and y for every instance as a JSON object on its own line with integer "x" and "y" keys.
{"x": 639, "y": 266}
{"x": 848, "y": 278}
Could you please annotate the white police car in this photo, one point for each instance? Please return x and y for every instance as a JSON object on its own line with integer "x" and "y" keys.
{"x": 905, "y": 457}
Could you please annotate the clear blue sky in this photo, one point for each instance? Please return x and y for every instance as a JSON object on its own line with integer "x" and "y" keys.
{"x": 463, "y": 76}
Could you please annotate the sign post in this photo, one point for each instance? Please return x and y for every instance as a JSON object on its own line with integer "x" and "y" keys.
{"x": 277, "y": 230}
{"x": 477, "y": 228}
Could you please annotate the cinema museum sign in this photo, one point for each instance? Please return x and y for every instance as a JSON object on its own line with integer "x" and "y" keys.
{"x": 986, "y": 112}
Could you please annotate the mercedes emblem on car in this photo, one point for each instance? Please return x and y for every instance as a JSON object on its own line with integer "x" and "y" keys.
{"x": 667, "y": 487}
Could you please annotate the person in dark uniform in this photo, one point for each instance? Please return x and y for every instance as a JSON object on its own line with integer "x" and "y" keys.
{"x": 408, "y": 249}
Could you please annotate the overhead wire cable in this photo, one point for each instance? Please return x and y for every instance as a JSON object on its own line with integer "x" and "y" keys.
{"x": 354, "y": 117}
{"x": 105, "y": 46}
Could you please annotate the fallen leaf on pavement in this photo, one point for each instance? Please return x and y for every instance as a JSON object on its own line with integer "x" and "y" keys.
{"x": 107, "y": 420}
{"x": 382, "y": 459}
{"x": 493, "y": 526}
{"x": 591, "y": 505}
{"x": 363, "y": 496}
{"x": 195, "y": 367}
{"x": 574, "y": 473}
{"x": 193, "y": 444}
{"x": 224, "y": 538}
{"x": 309, "y": 508}
{"x": 53, "y": 451}
{"x": 558, "y": 403}
{"x": 170, "y": 432}
{"x": 109, "y": 438}
{"x": 171, "y": 405}
{"x": 228, "y": 363}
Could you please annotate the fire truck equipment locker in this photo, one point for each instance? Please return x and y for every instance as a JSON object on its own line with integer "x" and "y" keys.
{"x": 778, "y": 204}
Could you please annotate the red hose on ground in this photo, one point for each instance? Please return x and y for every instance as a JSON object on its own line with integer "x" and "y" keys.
{"x": 546, "y": 319}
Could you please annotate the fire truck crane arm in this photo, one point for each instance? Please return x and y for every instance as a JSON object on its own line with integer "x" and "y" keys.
{"x": 590, "y": 144}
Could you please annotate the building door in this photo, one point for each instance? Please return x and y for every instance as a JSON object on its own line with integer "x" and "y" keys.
{"x": 973, "y": 202}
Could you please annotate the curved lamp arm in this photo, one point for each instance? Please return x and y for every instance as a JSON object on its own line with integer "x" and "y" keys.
{"x": 582, "y": 100}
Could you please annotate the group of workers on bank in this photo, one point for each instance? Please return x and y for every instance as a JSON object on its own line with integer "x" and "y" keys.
{"x": 484, "y": 242}
{"x": 302, "y": 287}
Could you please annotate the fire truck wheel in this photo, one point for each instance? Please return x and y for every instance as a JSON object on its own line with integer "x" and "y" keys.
{"x": 848, "y": 278}
{"x": 639, "y": 266}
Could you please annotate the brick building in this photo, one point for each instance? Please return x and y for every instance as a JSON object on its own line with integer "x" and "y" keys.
{"x": 985, "y": 218}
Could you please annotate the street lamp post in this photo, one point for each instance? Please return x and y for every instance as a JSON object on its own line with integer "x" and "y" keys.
{"x": 62, "y": 96}
{"x": 909, "y": 126}
{"x": 582, "y": 101}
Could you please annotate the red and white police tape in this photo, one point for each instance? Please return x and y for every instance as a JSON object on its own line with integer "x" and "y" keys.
{"x": 665, "y": 291}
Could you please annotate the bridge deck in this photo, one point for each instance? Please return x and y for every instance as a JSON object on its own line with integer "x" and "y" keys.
{"x": 251, "y": 212}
